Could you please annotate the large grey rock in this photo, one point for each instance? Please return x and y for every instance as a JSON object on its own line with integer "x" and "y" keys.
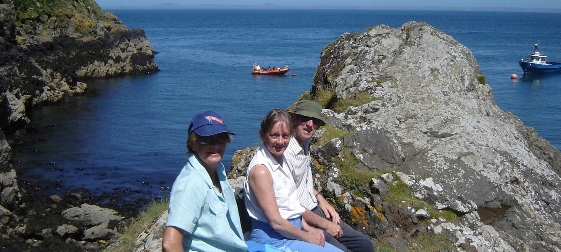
{"x": 91, "y": 215}
{"x": 434, "y": 120}
{"x": 99, "y": 232}
{"x": 10, "y": 196}
{"x": 67, "y": 230}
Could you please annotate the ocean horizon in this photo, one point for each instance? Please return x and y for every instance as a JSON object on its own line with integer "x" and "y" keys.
{"x": 272, "y": 6}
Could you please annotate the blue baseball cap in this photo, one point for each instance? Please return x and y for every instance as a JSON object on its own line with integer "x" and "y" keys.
{"x": 207, "y": 124}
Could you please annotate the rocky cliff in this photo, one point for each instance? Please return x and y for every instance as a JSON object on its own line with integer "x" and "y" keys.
{"x": 431, "y": 122}
{"x": 49, "y": 50}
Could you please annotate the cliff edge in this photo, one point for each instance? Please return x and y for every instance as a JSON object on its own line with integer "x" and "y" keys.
{"x": 51, "y": 48}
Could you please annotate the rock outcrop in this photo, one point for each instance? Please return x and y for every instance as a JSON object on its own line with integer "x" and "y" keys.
{"x": 433, "y": 122}
{"x": 101, "y": 223}
{"x": 425, "y": 154}
{"x": 51, "y": 49}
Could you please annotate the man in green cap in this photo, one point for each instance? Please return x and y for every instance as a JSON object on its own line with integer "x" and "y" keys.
{"x": 306, "y": 120}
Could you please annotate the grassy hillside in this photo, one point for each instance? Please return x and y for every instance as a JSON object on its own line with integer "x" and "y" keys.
{"x": 36, "y": 9}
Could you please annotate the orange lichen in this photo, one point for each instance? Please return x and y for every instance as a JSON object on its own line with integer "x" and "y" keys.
{"x": 358, "y": 214}
{"x": 317, "y": 165}
{"x": 380, "y": 216}
{"x": 236, "y": 158}
{"x": 239, "y": 155}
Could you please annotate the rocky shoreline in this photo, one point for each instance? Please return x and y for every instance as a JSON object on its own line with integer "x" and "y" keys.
{"x": 51, "y": 51}
{"x": 71, "y": 222}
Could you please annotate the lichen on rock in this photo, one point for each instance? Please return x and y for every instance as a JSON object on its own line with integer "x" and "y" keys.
{"x": 434, "y": 122}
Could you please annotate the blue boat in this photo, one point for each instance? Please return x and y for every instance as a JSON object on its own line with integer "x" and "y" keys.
{"x": 537, "y": 63}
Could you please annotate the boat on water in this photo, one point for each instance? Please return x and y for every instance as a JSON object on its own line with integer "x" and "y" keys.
{"x": 269, "y": 71}
{"x": 537, "y": 63}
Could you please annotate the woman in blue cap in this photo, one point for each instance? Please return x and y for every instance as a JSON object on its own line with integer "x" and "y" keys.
{"x": 203, "y": 215}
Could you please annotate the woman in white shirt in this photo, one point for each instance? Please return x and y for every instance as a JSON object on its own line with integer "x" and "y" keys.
{"x": 271, "y": 197}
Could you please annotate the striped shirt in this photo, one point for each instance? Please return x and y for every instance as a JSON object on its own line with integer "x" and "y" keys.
{"x": 298, "y": 160}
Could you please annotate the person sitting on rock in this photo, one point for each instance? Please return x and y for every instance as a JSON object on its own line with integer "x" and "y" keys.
{"x": 306, "y": 120}
{"x": 270, "y": 197}
{"x": 203, "y": 215}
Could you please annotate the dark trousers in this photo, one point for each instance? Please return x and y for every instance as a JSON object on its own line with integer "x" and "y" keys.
{"x": 351, "y": 240}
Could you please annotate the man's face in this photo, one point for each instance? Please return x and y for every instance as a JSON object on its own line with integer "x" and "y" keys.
{"x": 305, "y": 127}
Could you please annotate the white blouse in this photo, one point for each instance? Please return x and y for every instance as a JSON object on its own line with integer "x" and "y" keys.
{"x": 283, "y": 186}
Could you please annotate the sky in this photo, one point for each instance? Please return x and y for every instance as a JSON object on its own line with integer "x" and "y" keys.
{"x": 550, "y": 5}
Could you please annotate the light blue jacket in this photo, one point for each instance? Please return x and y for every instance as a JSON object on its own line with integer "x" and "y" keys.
{"x": 209, "y": 218}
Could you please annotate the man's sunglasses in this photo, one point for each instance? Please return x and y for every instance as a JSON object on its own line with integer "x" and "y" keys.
{"x": 307, "y": 118}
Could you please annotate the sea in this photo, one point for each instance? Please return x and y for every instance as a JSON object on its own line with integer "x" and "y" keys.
{"x": 127, "y": 135}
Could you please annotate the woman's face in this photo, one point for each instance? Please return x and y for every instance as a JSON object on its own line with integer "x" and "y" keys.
{"x": 276, "y": 140}
{"x": 210, "y": 149}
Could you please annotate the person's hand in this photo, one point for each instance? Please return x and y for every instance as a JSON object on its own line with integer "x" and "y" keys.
{"x": 328, "y": 210}
{"x": 334, "y": 230}
{"x": 315, "y": 236}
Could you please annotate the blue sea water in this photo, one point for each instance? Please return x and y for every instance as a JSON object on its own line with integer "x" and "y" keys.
{"x": 128, "y": 135}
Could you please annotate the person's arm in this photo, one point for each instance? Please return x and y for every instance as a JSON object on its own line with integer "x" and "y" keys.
{"x": 172, "y": 240}
{"x": 261, "y": 183}
{"x": 327, "y": 209}
{"x": 308, "y": 228}
{"x": 317, "y": 221}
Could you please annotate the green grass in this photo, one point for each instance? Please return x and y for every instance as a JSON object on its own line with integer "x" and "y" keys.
{"x": 423, "y": 242}
{"x": 354, "y": 100}
{"x": 82, "y": 15}
{"x": 125, "y": 242}
{"x": 352, "y": 178}
{"x": 306, "y": 96}
{"x": 32, "y": 9}
{"x": 482, "y": 79}
{"x": 383, "y": 247}
{"x": 429, "y": 241}
{"x": 331, "y": 133}
{"x": 326, "y": 97}
{"x": 400, "y": 192}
